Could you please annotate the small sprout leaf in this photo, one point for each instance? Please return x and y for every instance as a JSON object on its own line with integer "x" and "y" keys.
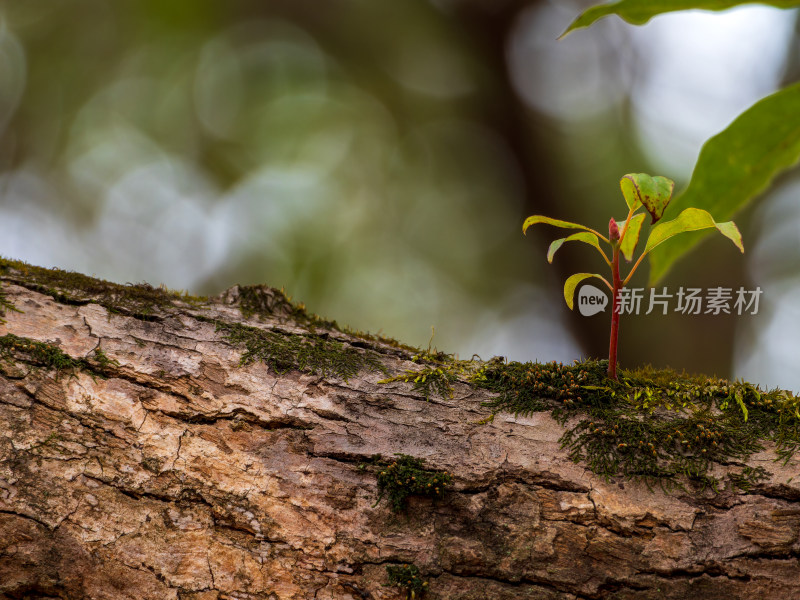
{"x": 631, "y": 237}
{"x": 534, "y": 219}
{"x": 583, "y": 236}
{"x": 731, "y": 231}
{"x": 573, "y": 281}
{"x": 692, "y": 219}
{"x": 653, "y": 192}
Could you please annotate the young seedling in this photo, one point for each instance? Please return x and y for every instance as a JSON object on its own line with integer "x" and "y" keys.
{"x": 640, "y": 191}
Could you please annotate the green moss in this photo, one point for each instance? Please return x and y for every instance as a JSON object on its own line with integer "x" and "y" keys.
{"x": 407, "y": 476}
{"x": 428, "y": 381}
{"x": 526, "y": 388}
{"x": 407, "y": 576}
{"x": 53, "y": 437}
{"x": 143, "y": 301}
{"x": 438, "y": 376}
{"x": 264, "y": 301}
{"x": 140, "y": 300}
{"x": 103, "y": 361}
{"x": 312, "y": 353}
{"x": 6, "y": 304}
{"x": 39, "y": 353}
{"x": 652, "y": 425}
{"x": 50, "y": 356}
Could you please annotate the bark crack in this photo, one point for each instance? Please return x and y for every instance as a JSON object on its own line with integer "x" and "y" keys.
{"x": 14, "y": 513}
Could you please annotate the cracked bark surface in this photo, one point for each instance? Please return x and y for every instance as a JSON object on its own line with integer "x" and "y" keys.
{"x": 181, "y": 474}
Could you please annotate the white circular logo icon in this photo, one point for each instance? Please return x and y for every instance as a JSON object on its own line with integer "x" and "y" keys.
{"x": 591, "y": 300}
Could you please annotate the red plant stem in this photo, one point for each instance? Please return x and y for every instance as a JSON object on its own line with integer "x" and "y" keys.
{"x": 612, "y": 348}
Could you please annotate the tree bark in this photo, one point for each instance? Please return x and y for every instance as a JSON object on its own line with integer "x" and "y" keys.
{"x": 162, "y": 468}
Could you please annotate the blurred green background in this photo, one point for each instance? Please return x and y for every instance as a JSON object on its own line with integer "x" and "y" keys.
{"x": 377, "y": 160}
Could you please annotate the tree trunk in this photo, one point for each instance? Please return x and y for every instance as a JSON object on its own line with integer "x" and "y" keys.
{"x": 160, "y": 467}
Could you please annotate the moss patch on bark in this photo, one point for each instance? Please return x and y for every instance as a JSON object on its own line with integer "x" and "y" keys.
{"x": 140, "y": 300}
{"x": 663, "y": 427}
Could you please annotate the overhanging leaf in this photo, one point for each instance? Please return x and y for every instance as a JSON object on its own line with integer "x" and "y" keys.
{"x": 628, "y": 243}
{"x": 737, "y": 164}
{"x": 652, "y": 192}
{"x": 573, "y": 281}
{"x": 583, "y": 236}
{"x": 639, "y": 12}
{"x": 691, "y": 219}
{"x": 533, "y": 220}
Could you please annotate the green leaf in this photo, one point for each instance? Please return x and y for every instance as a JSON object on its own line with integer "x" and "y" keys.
{"x": 691, "y": 219}
{"x": 639, "y": 12}
{"x": 652, "y": 192}
{"x": 731, "y": 231}
{"x": 740, "y": 402}
{"x": 737, "y": 164}
{"x": 628, "y": 242}
{"x": 533, "y": 220}
{"x": 572, "y": 282}
{"x": 583, "y": 236}
{"x": 630, "y": 193}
